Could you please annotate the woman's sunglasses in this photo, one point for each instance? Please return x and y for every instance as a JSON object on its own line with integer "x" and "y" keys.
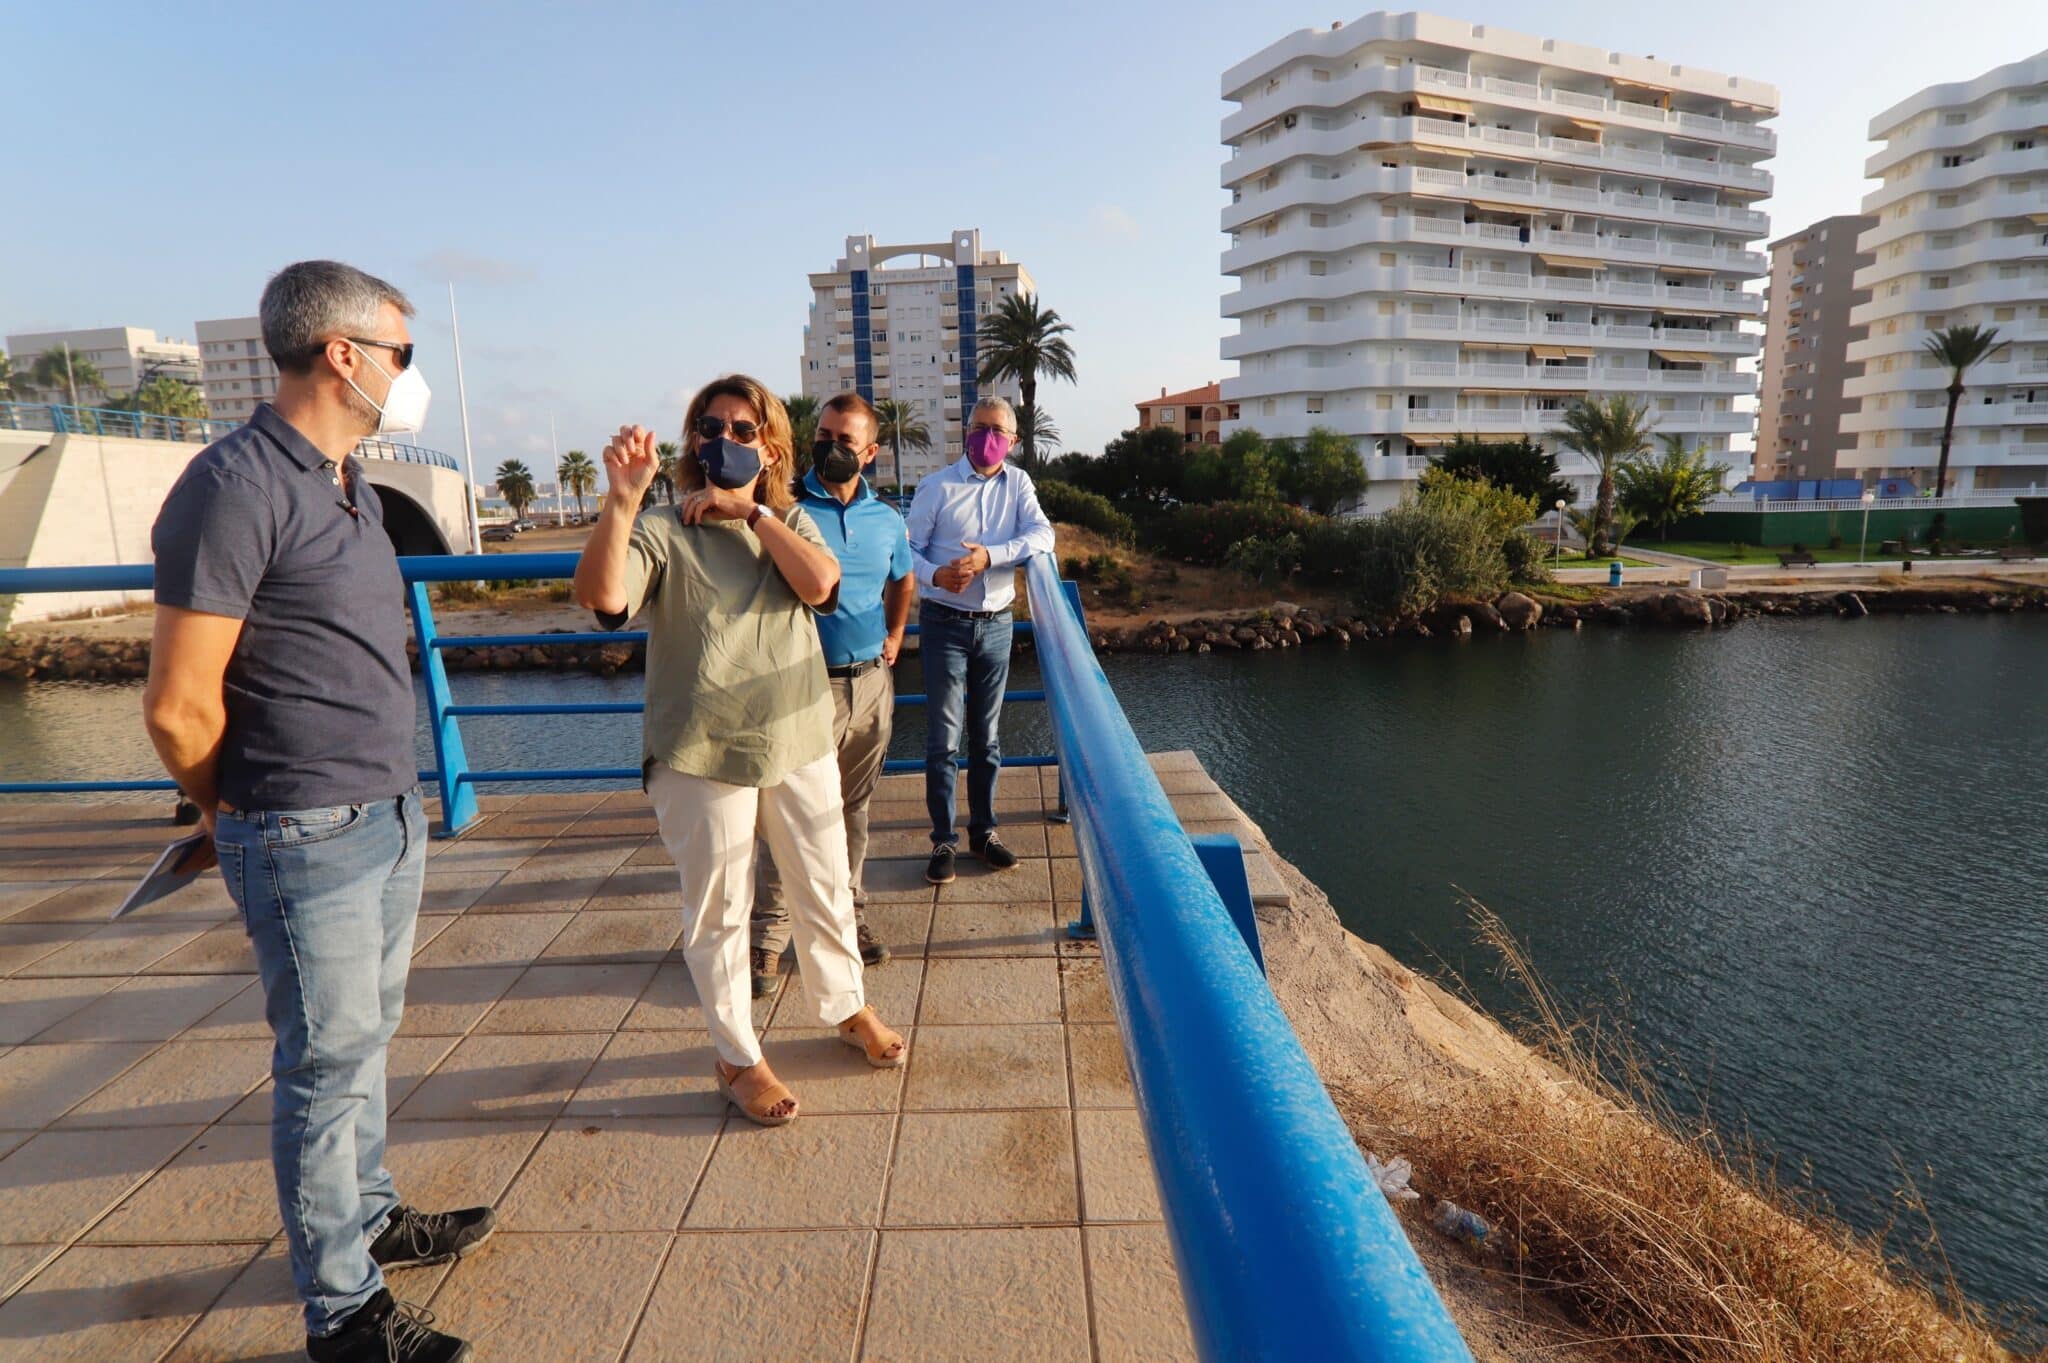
{"x": 712, "y": 427}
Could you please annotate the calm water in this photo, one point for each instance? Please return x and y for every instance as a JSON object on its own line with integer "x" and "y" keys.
{"x": 1803, "y": 860}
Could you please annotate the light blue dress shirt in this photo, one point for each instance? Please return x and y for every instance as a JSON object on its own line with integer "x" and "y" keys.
{"x": 956, "y": 507}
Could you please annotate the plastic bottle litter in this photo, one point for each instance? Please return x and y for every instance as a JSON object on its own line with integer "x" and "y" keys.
{"x": 1392, "y": 1177}
{"x": 1459, "y": 1224}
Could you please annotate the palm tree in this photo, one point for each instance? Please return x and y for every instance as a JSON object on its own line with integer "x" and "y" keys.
{"x": 669, "y": 454}
{"x": 1606, "y": 430}
{"x": 166, "y": 396}
{"x": 1669, "y": 488}
{"x": 1957, "y": 348}
{"x": 515, "y": 485}
{"x": 1021, "y": 341}
{"x": 62, "y": 370}
{"x": 1036, "y": 429}
{"x": 902, "y": 428}
{"x": 15, "y": 384}
{"x": 803, "y": 412}
{"x": 578, "y": 475}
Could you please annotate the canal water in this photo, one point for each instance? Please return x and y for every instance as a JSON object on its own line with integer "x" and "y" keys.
{"x": 1803, "y": 861}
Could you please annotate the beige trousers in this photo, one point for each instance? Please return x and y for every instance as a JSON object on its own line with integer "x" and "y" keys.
{"x": 708, "y": 828}
{"x": 863, "y": 717}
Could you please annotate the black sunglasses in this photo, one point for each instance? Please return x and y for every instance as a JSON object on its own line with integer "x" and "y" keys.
{"x": 844, "y": 442}
{"x": 712, "y": 427}
{"x": 403, "y": 352}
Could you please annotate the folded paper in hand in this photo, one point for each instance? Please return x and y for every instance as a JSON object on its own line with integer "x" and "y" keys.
{"x": 172, "y": 870}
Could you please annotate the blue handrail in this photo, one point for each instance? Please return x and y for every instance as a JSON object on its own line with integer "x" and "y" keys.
{"x": 1286, "y": 1247}
{"x": 60, "y": 419}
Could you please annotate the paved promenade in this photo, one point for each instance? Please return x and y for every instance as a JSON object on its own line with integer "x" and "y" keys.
{"x": 992, "y": 1200}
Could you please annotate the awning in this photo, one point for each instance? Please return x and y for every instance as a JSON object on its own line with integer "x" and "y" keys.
{"x": 1680, "y": 312}
{"x": 1571, "y": 262}
{"x": 1550, "y": 352}
{"x": 1442, "y": 104}
{"x": 1659, "y": 97}
{"x": 1682, "y": 356}
{"x": 1502, "y": 392}
{"x": 1582, "y": 125}
{"x": 1492, "y": 206}
{"x": 1682, "y": 269}
{"x": 1427, "y": 438}
{"x": 1496, "y": 345}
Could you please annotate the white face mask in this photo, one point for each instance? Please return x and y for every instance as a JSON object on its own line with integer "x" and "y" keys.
{"x": 405, "y": 405}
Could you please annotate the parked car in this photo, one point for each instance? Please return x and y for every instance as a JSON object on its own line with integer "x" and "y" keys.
{"x": 499, "y": 534}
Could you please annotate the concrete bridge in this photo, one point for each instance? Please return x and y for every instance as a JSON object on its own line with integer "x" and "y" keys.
{"x": 89, "y": 494}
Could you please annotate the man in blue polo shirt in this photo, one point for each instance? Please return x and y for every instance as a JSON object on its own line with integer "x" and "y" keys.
{"x": 861, "y": 641}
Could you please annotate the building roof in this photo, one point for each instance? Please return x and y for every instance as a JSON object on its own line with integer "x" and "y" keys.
{"x": 1194, "y": 397}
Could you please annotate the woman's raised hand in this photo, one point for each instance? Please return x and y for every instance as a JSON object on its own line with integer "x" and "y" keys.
{"x": 630, "y": 464}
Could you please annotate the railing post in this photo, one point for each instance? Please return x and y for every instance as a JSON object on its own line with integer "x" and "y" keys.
{"x": 458, "y": 796}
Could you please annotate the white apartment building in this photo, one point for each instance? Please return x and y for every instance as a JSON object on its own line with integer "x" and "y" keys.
{"x": 235, "y": 370}
{"x": 1961, "y": 237}
{"x": 1439, "y": 228}
{"x": 126, "y": 357}
{"x": 909, "y": 332}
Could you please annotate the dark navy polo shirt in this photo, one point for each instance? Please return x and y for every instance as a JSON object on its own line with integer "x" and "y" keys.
{"x": 319, "y": 694}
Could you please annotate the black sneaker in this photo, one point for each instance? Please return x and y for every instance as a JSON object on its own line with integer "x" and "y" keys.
{"x": 992, "y": 851}
{"x": 411, "y": 1238}
{"x": 939, "y": 870}
{"x": 763, "y": 961}
{"x": 383, "y": 1330}
{"x": 871, "y": 951}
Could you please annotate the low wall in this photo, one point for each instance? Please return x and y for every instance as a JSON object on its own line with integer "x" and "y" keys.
{"x": 1993, "y": 524}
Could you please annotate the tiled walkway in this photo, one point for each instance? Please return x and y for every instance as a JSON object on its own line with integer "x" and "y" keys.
{"x": 992, "y": 1200}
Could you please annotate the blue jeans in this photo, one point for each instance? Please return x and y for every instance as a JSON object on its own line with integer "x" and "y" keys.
{"x": 966, "y": 666}
{"x": 330, "y": 898}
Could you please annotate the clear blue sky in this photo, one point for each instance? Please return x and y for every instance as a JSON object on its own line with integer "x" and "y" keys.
{"x": 628, "y": 197}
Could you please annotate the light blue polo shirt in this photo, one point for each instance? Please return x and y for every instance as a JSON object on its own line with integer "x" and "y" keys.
{"x": 866, "y": 535}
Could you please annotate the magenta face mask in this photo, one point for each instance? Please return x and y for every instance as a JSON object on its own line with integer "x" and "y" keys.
{"x": 986, "y": 449}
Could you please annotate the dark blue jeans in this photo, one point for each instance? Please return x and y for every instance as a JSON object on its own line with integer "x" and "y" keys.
{"x": 330, "y": 897}
{"x": 966, "y": 667}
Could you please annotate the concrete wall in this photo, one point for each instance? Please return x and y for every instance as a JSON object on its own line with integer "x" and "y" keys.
{"x": 1776, "y": 529}
{"x": 76, "y": 500}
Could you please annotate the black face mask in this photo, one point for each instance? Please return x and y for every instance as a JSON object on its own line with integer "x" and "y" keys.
{"x": 834, "y": 462}
{"x": 729, "y": 464}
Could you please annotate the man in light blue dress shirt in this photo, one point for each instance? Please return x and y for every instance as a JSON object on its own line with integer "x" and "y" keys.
{"x": 971, "y": 525}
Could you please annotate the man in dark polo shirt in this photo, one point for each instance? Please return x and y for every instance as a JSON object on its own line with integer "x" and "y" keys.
{"x": 280, "y": 701}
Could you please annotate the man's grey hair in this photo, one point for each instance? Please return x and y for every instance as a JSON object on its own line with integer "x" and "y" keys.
{"x": 309, "y": 304}
{"x": 992, "y": 403}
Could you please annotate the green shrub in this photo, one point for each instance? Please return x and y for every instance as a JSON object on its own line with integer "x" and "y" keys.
{"x": 1089, "y": 510}
{"x": 1528, "y": 557}
{"x": 1264, "y": 560}
{"x": 1204, "y": 534}
{"x": 1423, "y": 551}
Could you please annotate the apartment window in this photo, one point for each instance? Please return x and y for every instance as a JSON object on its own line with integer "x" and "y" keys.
{"x": 1417, "y": 402}
{"x": 1949, "y": 162}
{"x": 1168, "y": 415}
{"x": 1319, "y": 220}
{"x": 1939, "y": 281}
{"x": 1387, "y": 259}
{"x": 1386, "y": 307}
{"x": 1319, "y": 267}
{"x": 1316, "y": 313}
{"x": 1317, "y": 73}
{"x": 2023, "y": 144}
{"x": 1315, "y": 406}
{"x": 1383, "y": 401}
{"x": 1954, "y": 120}
{"x": 2003, "y": 314}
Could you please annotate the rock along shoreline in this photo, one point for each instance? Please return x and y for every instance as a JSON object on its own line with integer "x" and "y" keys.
{"x": 53, "y": 657}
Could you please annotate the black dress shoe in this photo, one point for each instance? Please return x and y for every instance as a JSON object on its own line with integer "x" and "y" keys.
{"x": 763, "y": 964}
{"x": 939, "y": 870}
{"x": 994, "y": 854}
{"x": 411, "y": 1238}
{"x": 383, "y": 1330}
{"x": 872, "y": 952}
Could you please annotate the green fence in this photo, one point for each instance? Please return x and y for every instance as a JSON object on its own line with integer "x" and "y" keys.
{"x": 1771, "y": 529}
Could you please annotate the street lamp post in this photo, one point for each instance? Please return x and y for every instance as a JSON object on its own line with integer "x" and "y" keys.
{"x": 1863, "y": 545}
{"x": 1557, "y": 556}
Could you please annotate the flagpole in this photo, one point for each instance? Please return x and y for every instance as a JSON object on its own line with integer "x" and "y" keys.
{"x": 462, "y": 404}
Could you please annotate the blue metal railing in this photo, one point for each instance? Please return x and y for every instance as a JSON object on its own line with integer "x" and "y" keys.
{"x": 62, "y": 420}
{"x": 1285, "y": 1247}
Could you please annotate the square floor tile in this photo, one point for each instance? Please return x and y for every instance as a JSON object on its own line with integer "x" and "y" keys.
{"x": 37, "y": 1083}
{"x": 817, "y": 1171}
{"x": 1117, "y": 1183}
{"x": 221, "y": 950}
{"x": 458, "y": 1164}
{"x": 827, "y": 1075}
{"x": 903, "y": 928}
{"x": 892, "y": 989}
{"x": 101, "y": 1302}
{"x": 894, "y": 880}
{"x": 1025, "y": 989}
{"x": 1017, "y": 1293}
{"x": 23, "y": 944}
{"x": 220, "y": 1187}
{"x": 976, "y": 1068}
{"x": 637, "y": 888}
{"x": 407, "y": 1061}
{"x": 117, "y": 949}
{"x": 184, "y": 1081}
{"x": 670, "y": 1003}
{"x": 450, "y": 1000}
{"x": 56, "y": 1184}
{"x": 1140, "y": 1316}
{"x": 454, "y": 891}
{"x": 505, "y": 1076}
{"x": 500, "y": 939}
{"x": 611, "y": 1174}
{"x": 733, "y": 1295}
{"x": 30, "y": 1007}
{"x": 984, "y": 1168}
{"x": 1029, "y": 880}
{"x": 1011, "y": 929}
{"x": 482, "y": 854}
{"x": 260, "y": 1317}
{"x": 617, "y": 935}
{"x": 17, "y": 1262}
{"x": 651, "y": 1074}
{"x": 563, "y": 1298}
{"x": 146, "y": 1009}
{"x": 569, "y": 998}
{"x": 1102, "y": 1077}
{"x": 1086, "y": 992}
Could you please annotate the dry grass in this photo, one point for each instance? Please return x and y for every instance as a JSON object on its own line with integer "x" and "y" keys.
{"x": 1649, "y": 1230}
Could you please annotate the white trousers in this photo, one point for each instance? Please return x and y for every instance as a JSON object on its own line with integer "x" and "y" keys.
{"x": 709, "y": 828}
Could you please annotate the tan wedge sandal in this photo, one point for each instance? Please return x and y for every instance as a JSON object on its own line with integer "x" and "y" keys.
{"x": 892, "y": 1053}
{"x": 762, "y": 1112}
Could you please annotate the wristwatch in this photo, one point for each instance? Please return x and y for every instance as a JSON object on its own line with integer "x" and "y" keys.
{"x": 755, "y": 515}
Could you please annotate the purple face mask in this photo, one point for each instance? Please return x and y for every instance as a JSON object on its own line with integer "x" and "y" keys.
{"x": 986, "y": 449}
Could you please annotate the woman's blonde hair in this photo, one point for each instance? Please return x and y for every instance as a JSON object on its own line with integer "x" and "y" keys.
{"x": 774, "y": 489}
